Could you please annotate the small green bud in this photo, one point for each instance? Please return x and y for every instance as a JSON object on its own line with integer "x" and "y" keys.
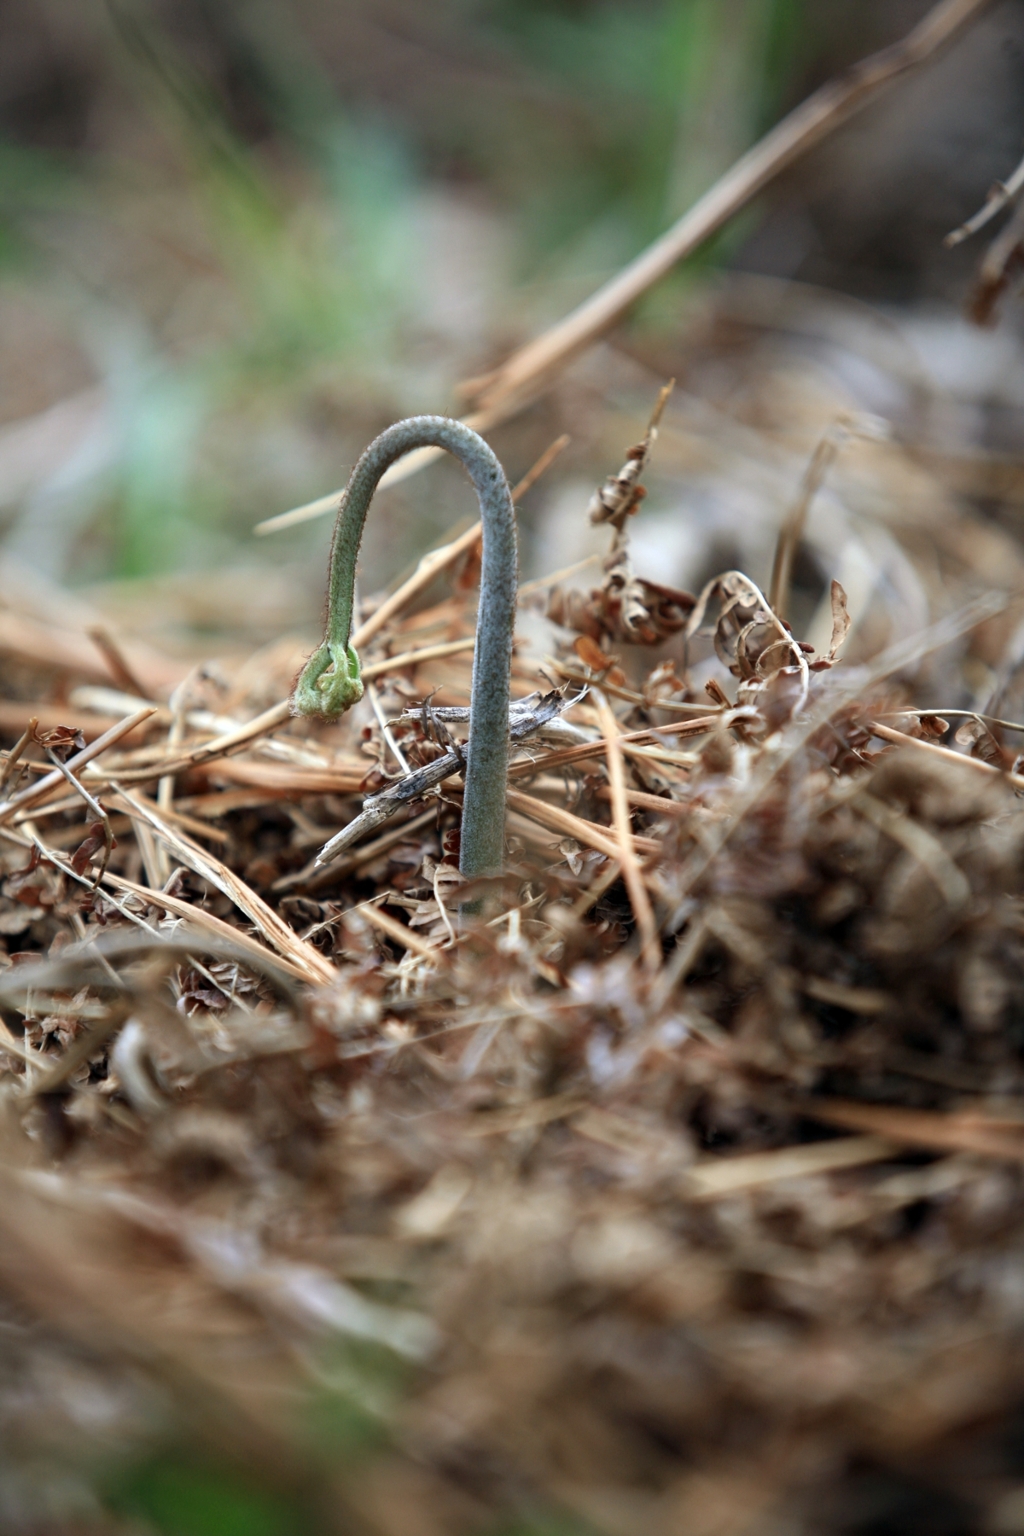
{"x": 329, "y": 683}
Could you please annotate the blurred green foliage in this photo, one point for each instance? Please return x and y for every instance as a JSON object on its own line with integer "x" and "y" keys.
{"x": 605, "y": 120}
{"x": 176, "y": 1496}
{"x": 360, "y": 1385}
{"x": 667, "y": 94}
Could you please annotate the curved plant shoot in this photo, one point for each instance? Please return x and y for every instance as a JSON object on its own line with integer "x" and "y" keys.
{"x": 330, "y": 682}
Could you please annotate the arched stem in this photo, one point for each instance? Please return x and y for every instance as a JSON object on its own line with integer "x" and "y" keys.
{"x": 330, "y": 682}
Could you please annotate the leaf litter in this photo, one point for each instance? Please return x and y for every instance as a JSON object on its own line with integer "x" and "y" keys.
{"x": 682, "y": 1189}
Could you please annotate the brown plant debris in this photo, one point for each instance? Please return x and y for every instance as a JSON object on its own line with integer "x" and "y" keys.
{"x": 680, "y": 1191}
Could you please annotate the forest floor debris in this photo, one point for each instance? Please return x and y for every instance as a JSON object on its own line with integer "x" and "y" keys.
{"x": 683, "y": 1194}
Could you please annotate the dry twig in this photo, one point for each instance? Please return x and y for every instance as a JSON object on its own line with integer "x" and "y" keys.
{"x": 530, "y": 369}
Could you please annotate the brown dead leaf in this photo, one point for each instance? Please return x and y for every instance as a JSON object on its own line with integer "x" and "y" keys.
{"x": 90, "y": 847}
{"x": 591, "y": 654}
{"x": 62, "y": 740}
{"x": 841, "y": 621}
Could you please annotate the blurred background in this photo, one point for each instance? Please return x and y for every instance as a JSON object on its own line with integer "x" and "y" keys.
{"x": 237, "y": 237}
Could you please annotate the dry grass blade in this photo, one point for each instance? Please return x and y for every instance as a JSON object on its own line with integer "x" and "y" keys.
{"x": 71, "y": 651}
{"x": 586, "y": 832}
{"x": 102, "y": 819}
{"x": 416, "y": 658}
{"x": 566, "y": 755}
{"x": 120, "y": 668}
{"x": 502, "y": 1122}
{"x": 596, "y": 889}
{"x": 220, "y": 746}
{"x": 400, "y": 934}
{"x": 650, "y": 948}
{"x": 273, "y": 928}
{"x": 543, "y": 583}
{"x": 12, "y": 758}
{"x": 661, "y": 805}
{"x": 617, "y": 691}
{"x": 284, "y": 780}
{"x": 945, "y": 754}
{"x": 791, "y": 532}
{"x": 853, "y": 999}
{"x": 39, "y": 791}
{"x": 387, "y": 735}
{"x": 924, "y": 1128}
{"x": 724, "y": 1176}
{"x": 200, "y": 921}
{"x": 658, "y": 755}
{"x": 1001, "y": 195}
{"x": 63, "y": 836}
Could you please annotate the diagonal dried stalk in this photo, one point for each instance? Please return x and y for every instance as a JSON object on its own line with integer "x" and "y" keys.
{"x": 1002, "y": 194}
{"x": 38, "y": 792}
{"x": 401, "y": 934}
{"x": 204, "y": 922}
{"x": 946, "y": 754}
{"x": 817, "y": 117}
{"x": 1001, "y": 266}
{"x": 586, "y": 832}
{"x": 273, "y": 928}
{"x": 839, "y": 431}
{"x": 530, "y": 369}
{"x": 922, "y": 1128}
{"x": 650, "y": 948}
{"x": 13, "y": 757}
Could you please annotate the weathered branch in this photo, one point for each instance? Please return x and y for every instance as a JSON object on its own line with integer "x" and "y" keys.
{"x": 378, "y": 809}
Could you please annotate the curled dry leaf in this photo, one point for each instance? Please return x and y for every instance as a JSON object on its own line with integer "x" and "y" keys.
{"x": 982, "y": 742}
{"x": 841, "y": 623}
{"x": 933, "y": 727}
{"x": 89, "y": 847}
{"x": 591, "y": 654}
{"x": 625, "y": 608}
{"x": 622, "y": 493}
{"x": 62, "y": 740}
{"x": 755, "y": 645}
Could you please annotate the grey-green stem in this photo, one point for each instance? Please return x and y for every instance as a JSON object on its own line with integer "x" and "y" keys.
{"x": 330, "y": 682}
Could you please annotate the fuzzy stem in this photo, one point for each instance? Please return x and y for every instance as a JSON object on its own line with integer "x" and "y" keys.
{"x": 330, "y": 682}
